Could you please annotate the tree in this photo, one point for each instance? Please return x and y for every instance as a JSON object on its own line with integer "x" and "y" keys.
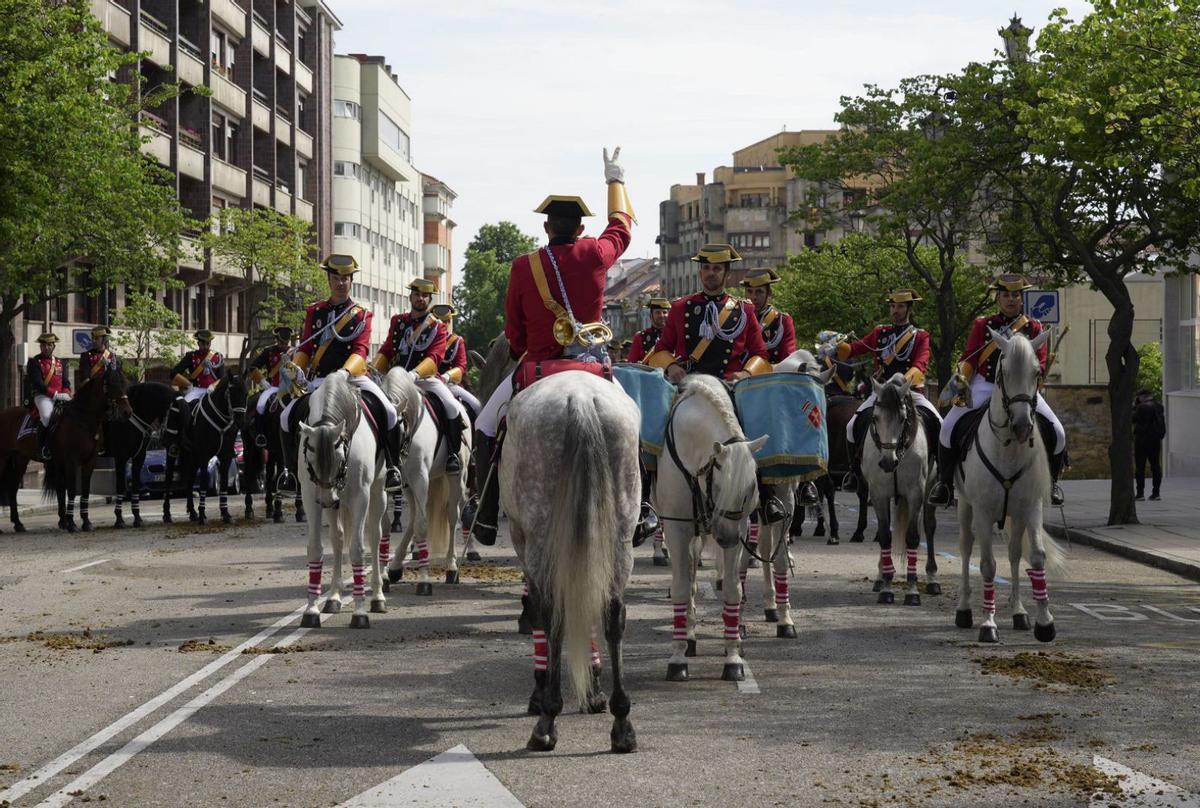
{"x": 147, "y": 332}
{"x": 1150, "y": 368}
{"x": 272, "y": 253}
{"x": 480, "y": 296}
{"x": 80, "y": 206}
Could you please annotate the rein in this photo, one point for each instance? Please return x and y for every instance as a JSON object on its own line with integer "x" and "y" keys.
{"x": 1006, "y": 482}
{"x": 343, "y": 440}
{"x": 704, "y": 510}
{"x": 908, "y": 436}
{"x": 226, "y": 418}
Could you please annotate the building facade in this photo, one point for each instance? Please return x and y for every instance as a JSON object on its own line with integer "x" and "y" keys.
{"x": 628, "y": 288}
{"x": 438, "y": 249}
{"x": 1181, "y": 374}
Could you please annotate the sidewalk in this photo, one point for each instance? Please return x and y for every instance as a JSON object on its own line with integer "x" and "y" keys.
{"x": 1167, "y": 538}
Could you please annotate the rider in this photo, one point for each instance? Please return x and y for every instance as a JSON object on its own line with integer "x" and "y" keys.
{"x": 644, "y": 341}
{"x": 97, "y": 359}
{"x": 712, "y": 333}
{"x": 778, "y": 330}
{"x": 453, "y": 367}
{"x": 45, "y": 383}
{"x": 198, "y": 370}
{"x": 899, "y": 347}
{"x": 551, "y": 293}
{"x": 266, "y": 367}
{"x": 977, "y": 375}
{"x": 337, "y": 338}
{"x": 416, "y": 341}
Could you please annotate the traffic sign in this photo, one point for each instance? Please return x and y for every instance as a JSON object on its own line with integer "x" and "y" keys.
{"x": 81, "y": 340}
{"x": 1042, "y": 304}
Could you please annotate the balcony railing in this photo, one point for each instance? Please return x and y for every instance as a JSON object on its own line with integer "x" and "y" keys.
{"x": 155, "y": 122}
{"x": 259, "y": 171}
{"x": 260, "y": 95}
{"x": 260, "y": 19}
{"x": 191, "y": 137}
{"x": 155, "y": 24}
{"x": 187, "y": 46}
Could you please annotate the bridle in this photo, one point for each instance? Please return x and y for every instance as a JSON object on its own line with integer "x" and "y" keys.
{"x": 1007, "y": 401}
{"x": 704, "y": 509}
{"x": 343, "y": 441}
{"x": 218, "y": 420}
{"x": 908, "y": 437}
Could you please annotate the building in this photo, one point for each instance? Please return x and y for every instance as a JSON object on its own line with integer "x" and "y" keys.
{"x": 438, "y": 249}
{"x": 630, "y": 284}
{"x": 1181, "y": 374}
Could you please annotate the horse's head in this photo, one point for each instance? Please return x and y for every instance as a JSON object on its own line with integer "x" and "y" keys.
{"x": 731, "y": 487}
{"x": 1017, "y": 375}
{"x": 236, "y": 393}
{"x": 325, "y": 453}
{"x": 893, "y": 420}
{"x": 803, "y": 361}
{"x": 116, "y": 389}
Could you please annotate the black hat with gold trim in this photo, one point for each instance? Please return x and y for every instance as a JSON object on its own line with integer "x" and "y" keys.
{"x": 203, "y": 335}
{"x": 903, "y": 296}
{"x": 101, "y": 331}
{"x": 761, "y": 279}
{"x": 423, "y": 285}
{"x": 48, "y": 338}
{"x": 1011, "y": 282}
{"x": 716, "y": 254}
{"x": 659, "y": 303}
{"x": 281, "y": 332}
{"x": 443, "y": 311}
{"x": 568, "y": 207}
{"x": 340, "y": 264}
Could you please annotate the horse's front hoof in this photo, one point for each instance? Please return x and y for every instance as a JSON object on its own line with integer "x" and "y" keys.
{"x": 193, "y": 516}
{"x": 933, "y": 588}
{"x": 300, "y": 517}
{"x": 397, "y": 526}
{"x": 394, "y": 574}
{"x": 541, "y": 743}
{"x": 168, "y": 519}
{"x": 912, "y": 599}
{"x": 886, "y": 596}
{"x": 118, "y": 523}
{"x": 473, "y": 555}
{"x": 597, "y": 703}
{"x": 691, "y": 649}
{"x": 733, "y": 672}
{"x": 962, "y": 618}
{"x": 772, "y": 615}
{"x": 523, "y": 625}
{"x": 858, "y": 537}
{"x": 425, "y": 589}
{"x": 1044, "y": 633}
{"x": 785, "y": 632}
{"x": 988, "y": 634}
{"x": 832, "y": 540}
{"x": 677, "y": 672}
{"x": 248, "y": 514}
{"x": 86, "y": 526}
{"x": 819, "y": 531}
{"x": 227, "y": 517}
{"x": 70, "y": 525}
{"x": 720, "y": 584}
{"x": 451, "y": 576}
{"x": 535, "y": 704}
{"x": 18, "y": 527}
{"x": 310, "y": 620}
{"x": 661, "y": 561}
{"x": 332, "y": 606}
{"x": 877, "y": 586}
{"x": 1021, "y": 622}
{"x": 378, "y": 606}
{"x": 624, "y": 739}
{"x": 360, "y": 621}
{"x": 277, "y": 518}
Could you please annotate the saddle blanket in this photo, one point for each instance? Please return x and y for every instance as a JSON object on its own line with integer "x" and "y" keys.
{"x": 653, "y": 394}
{"x": 28, "y": 425}
{"x": 790, "y": 409}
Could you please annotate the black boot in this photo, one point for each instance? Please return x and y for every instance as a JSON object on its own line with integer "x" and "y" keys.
{"x": 391, "y": 458}
{"x": 287, "y": 483}
{"x": 453, "y": 445}
{"x": 1056, "y": 467}
{"x": 260, "y": 430}
{"x": 487, "y": 515}
{"x": 43, "y": 441}
{"x": 854, "y": 448}
{"x": 647, "y": 520}
{"x": 943, "y": 491}
{"x": 772, "y": 508}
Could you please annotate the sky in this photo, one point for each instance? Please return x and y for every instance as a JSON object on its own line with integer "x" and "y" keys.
{"x": 515, "y": 99}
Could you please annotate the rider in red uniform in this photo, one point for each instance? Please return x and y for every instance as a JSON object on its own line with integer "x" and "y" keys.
{"x": 778, "y": 330}
{"x": 265, "y": 371}
{"x": 45, "y": 383}
{"x": 644, "y": 341}
{"x": 97, "y": 359}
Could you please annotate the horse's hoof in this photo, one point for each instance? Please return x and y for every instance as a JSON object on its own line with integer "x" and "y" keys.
{"x": 86, "y": 526}
{"x": 988, "y": 634}
{"x": 360, "y": 621}
{"x": 677, "y": 672}
{"x": 193, "y": 517}
{"x": 535, "y": 704}
{"x": 624, "y": 740}
{"x": 332, "y": 606}
{"x": 666, "y": 554}
{"x": 877, "y": 586}
{"x": 310, "y": 620}
{"x": 887, "y": 596}
{"x": 425, "y": 589}
{"x": 203, "y": 520}
{"x": 1044, "y": 633}
{"x": 691, "y": 649}
{"x": 772, "y": 615}
{"x": 387, "y": 586}
{"x": 719, "y": 585}
{"x": 933, "y": 588}
{"x": 912, "y": 599}
{"x": 227, "y": 517}
{"x": 820, "y": 530}
{"x": 962, "y": 618}
{"x": 70, "y": 527}
{"x": 378, "y": 606}
{"x": 277, "y": 518}
{"x": 18, "y": 527}
{"x": 1021, "y": 622}
{"x": 394, "y": 574}
{"x": 742, "y": 631}
{"x": 661, "y": 561}
{"x": 118, "y": 523}
{"x": 541, "y": 743}
{"x": 733, "y": 672}
{"x": 857, "y": 538}
{"x": 397, "y": 526}
{"x": 597, "y": 703}
{"x": 300, "y": 517}
{"x": 473, "y": 555}
{"x": 451, "y": 576}
{"x": 832, "y": 540}
{"x": 248, "y": 515}
{"x": 523, "y": 625}
{"x": 785, "y": 632}
{"x": 167, "y": 519}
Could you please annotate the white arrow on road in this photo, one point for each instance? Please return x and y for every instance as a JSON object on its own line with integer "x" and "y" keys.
{"x": 455, "y": 777}
{"x": 1140, "y": 789}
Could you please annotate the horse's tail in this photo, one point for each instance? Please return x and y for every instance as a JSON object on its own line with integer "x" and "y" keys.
{"x": 51, "y": 472}
{"x": 1056, "y": 556}
{"x": 578, "y": 565}
{"x": 435, "y": 514}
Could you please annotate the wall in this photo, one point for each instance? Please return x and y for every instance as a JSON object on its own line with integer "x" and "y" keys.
{"x": 1083, "y": 410}
{"x": 1081, "y": 357}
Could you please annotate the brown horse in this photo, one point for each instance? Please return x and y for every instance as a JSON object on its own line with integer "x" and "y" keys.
{"x": 838, "y": 412}
{"x": 74, "y": 442}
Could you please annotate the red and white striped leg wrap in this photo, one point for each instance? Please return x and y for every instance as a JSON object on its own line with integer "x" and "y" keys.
{"x": 1037, "y": 581}
{"x": 742, "y": 581}
{"x": 595, "y": 652}
{"x": 782, "y": 595}
{"x": 911, "y": 553}
{"x": 989, "y": 597}
{"x": 886, "y": 568}
{"x": 385, "y": 549}
{"x": 466, "y": 531}
{"x": 658, "y": 536}
{"x": 423, "y": 553}
{"x": 731, "y": 614}
{"x": 753, "y": 540}
{"x": 358, "y": 571}
{"x": 525, "y": 591}
{"x": 314, "y": 579}
{"x": 541, "y": 652}
{"x": 679, "y": 628}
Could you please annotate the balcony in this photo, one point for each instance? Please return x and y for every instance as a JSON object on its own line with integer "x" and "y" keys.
{"x": 158, "y": 145}
{"x": 304, "y": 76}
{"x": 304, "y": 209}
{"x": 283, "y": 57}
{"x": 262, "y": 192}
{"x": 155, "y": 39}
{"x": 231, "y": 15}
{"x": 224, "y": 267}
{"x": 304, "y": 143}
{"x": 228, "y": 178}
{"x": 191, "y": 65}
{"x": 113, "y": 19}
{"x": 436, "y": 258}
{"x": 260, "y": 39}
{"x": 283, "y": 128}
{"x": 283, "y": 200}
{"x": 191, "y": 162}
{"x": 193, "y": 256}
{"x": 228, "y": 94}
{"x": 261, "y": 115}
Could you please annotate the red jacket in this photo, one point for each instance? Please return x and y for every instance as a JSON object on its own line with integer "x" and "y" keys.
{"x": 270, "y": 360}
{"x": 722, "y": 358}
{"x": 584, "y": 263}
{"x": 889, "y": 359}
{"x": 406, "y": 348}
{"x": 355, "y": 336}
{"x": 203, "y": 368}
{"x": 779, "y": 334}
{"x": 45, "y": 376}
{"x": 643, "y": 343}
{"x": 455, "y": 359}
{"x": 92, "y": 363}
{"x": 973, "y": 353}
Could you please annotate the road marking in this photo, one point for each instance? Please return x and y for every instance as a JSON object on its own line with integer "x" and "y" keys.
{"x": 85, "y": 566}
{"x": 455, "y": 777}
{"x": 999, "y": 578}
{"x": 749, "y": 684}
{"x": 1140, "y": 789}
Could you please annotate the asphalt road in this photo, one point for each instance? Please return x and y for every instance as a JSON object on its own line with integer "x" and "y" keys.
{"x": 872, "y": 705}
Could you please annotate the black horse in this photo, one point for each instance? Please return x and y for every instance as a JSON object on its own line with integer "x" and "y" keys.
{"x": 196, "y": 433}
{"x": 265, "y": 463}
{"x": 127, "y": 440}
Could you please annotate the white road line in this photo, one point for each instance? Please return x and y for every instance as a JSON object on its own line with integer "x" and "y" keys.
{"x": 748, "y": 685}
{"x": 455, "y": 777}
{"x": 1140, "y": 790}
{"x": 85, "y": 566}
{"x": 999, "y": 578}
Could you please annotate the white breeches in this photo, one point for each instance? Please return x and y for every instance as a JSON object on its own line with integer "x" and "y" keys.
{"x": 195, "y": 393}
{"x": 981, "y": 394}
{"x": 919, "y": 400}
{"x": 364, "y": 385}
{"x": 264, "y": 398}
{"x": 443, "y": 394}
{"x": 464, "y": 395}
{"x": 45, "y": 408}
{"x": 488, "y": 421}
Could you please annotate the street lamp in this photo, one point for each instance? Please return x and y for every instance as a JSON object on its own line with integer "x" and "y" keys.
{"x": 1016, "y": 41}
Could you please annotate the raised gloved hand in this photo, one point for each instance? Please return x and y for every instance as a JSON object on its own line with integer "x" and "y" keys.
{"x": 827, "y": 349}
{"x": 955, "y": 388}
{"x": 613, "y": 172}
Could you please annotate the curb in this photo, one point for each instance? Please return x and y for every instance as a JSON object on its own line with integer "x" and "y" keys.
{"x": 1150, "y": 559}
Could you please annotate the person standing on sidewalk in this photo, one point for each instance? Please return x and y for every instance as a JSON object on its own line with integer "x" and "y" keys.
{"x": 1149, "y": 429}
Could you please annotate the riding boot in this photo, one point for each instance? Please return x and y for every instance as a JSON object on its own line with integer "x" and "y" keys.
{"x": 943, "y": 491}
{"x": 647, "y": 520}
{"x": 287, "y": 482}
{"x": 772, "y": 508}
{"x": 454, "y": 428}
{"x": 391, "y": 457}
{"x": 43, "y": 441}
{"x": 1056, "y": 467}
{"x": 487, "y": 515}
{"x": 260, "y": 430}
{"x": 854, "y": 448}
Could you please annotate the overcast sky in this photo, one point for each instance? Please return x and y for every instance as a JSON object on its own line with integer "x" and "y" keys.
{"x": 514, "y": 99}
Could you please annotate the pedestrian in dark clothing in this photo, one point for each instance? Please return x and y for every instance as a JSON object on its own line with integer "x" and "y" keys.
{"x": 1149, "y": 429}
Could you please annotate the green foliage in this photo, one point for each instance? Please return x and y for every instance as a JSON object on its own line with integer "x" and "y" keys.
{"x": 147, "y": 332}
{"x": 1150, "y": 368}
{"x": 505, "y": 239}
{"x": 480, "y": 296}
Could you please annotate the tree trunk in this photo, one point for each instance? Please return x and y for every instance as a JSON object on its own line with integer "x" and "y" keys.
{"x": 947, "y": 315}
{"x": 8, "y": 396}
{"x": 1122, "y": 362}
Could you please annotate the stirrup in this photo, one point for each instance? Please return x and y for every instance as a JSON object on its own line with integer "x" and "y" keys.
{"x": 941, "y": 495}
{"x": 809, "y": 496}
{"x": 850, "y": 481}
{"x": 1056, "y": 496}
{"x": 647, "y": 525}
{"x": 484, "y": 534}
{"x": 453, "y": 463}
{"x": 173, "y": 450}
{"x": 260, "y": 441}
{"x": 393, "y": 483}
{"x": 772, "y": 511}
{"x": 286, "y": 482}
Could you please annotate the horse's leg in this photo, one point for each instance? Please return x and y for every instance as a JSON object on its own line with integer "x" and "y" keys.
{"x": 860, "y": 529}
{"x": 987, "y": 571}
{"x": 168, "y": 484}
{"x": 419, "y": 527}
{"x": 223, "y": 485}
{"x": 624, "y": 739}
{"x": 380, "y": 545}
{"x": 545, "y": 737}
{"x": 69, "y": 484}
{"x": 301, "y": 515}
{"x": 932, "y": 586}
{"x": 85, "y": 490}
{"x": 766, "y": 545}
{"x": 966, "y": 542}
{"x": 356, "y": 523}
{"x": 13, "y": 484}
{"x": 274, "y": 501}
{"x": 731, "y": 616}
{"x": 396, "y": 565}
{"x": 909, "y": 509}
{"x": 779, "y": 583}
{"x": 883, "y": 515}
{"x": 336, "y": 543}
{"x": 819, "y": 530}
{"x": 312, "y": 616}
{"x": 251, "y": 483}
{"x": 683, "y": 577}
{"x": 119, "y": 500}
{"x": 454, "y": 500}
{"x": 829, "y": 493}
{"x": 1043, "y": 622}
{"x": 202, "y": 517}
{"x": 1020, "y": 617}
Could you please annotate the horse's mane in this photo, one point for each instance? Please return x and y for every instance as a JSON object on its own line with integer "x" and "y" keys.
{"x": 739, "y": 477}
{"x": 1020, "y": 351}
{"x": 405, "y": 394}
{"x": 334, "y": 401}
{"x": 714, "y": 392}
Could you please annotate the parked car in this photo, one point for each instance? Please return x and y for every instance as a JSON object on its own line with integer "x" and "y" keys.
{"x": 154, "y": 472}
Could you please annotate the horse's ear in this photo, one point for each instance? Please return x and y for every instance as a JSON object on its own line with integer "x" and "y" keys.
{"x": 758, "y": 443}
{"x": 1000, "y": 339}
{"x": 905, "y": 386}
{"x": 876, "y": 387}
{"x": 1041, "y": 339}
{"x": 305, "y": 429}
{"x": 824, "y": 376}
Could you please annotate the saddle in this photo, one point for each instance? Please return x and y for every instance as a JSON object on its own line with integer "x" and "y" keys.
{"x": 531, "y": 371}
{"x": 967, "y": 428}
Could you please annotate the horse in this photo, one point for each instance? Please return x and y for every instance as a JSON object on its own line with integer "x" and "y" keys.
{"x": 897, "y": 463}
{"x": 436, "y": 498}
{"x": 570, "y": 484}
{"x": 1003, "y": 480}
{"x": 211, "y": 428}
{"x": 706, "y": 485}
{"x": 341, "y": 478}
{"x": 267, "y": 462}
{"x": 128, "y": 441}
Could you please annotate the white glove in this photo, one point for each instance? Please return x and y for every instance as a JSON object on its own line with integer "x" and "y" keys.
{"x": 827, "y": 349}
{"x": 416, "y": 377}
{"x": 445, "y": 377}
{"x": 62, "y": 396}
{"x": 613, "y": 172}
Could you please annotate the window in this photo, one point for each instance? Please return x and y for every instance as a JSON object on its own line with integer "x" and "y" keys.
{"x": 751, "y": 241}
{"x": 344, "y": 168}
{"x": 393, "y": 136}
{"x": 301, "y": 170}
{"x": 346, "y": 109}
{"x": 754, "y": 200}
{"x": 221, "y": 53}
{"x": 224, "y": 136}
{"x": 347, "y": 229}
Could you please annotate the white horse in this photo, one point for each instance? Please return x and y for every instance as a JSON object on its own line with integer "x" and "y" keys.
{"x": 896, "y": 463}
{"x": 1005, "y": 479}
{"x": 435, "y": 498}
{"x": 570, "y": 484}
{"x": 341, "y": 481}
{"x": 706, "y": 484}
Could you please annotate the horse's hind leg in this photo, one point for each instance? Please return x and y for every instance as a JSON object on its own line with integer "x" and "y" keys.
{"x": 987, "y": 571}
{"x": 683, "y": 575}
{"x": 1020, "y": 617}
{"x": 829, "y": 492}
{"x": 168, "y": 483}
{"x": 119, "y": 482}
{"x": 545, "y": 737}
{"x": 860, "y": 529}
{"x": 932, "y": 585}
{"x": 223, "y": 487}
{"x": 624, "y": 739}
{"x": 779, "y": 583}
{"x": 454, "y": 499}
{"x": 884, "y": 536}
{"x": 85, "y": 491}
{"x": 766, "y": 544}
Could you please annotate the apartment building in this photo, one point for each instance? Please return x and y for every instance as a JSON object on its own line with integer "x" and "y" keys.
{"x": 438, "y": 250}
